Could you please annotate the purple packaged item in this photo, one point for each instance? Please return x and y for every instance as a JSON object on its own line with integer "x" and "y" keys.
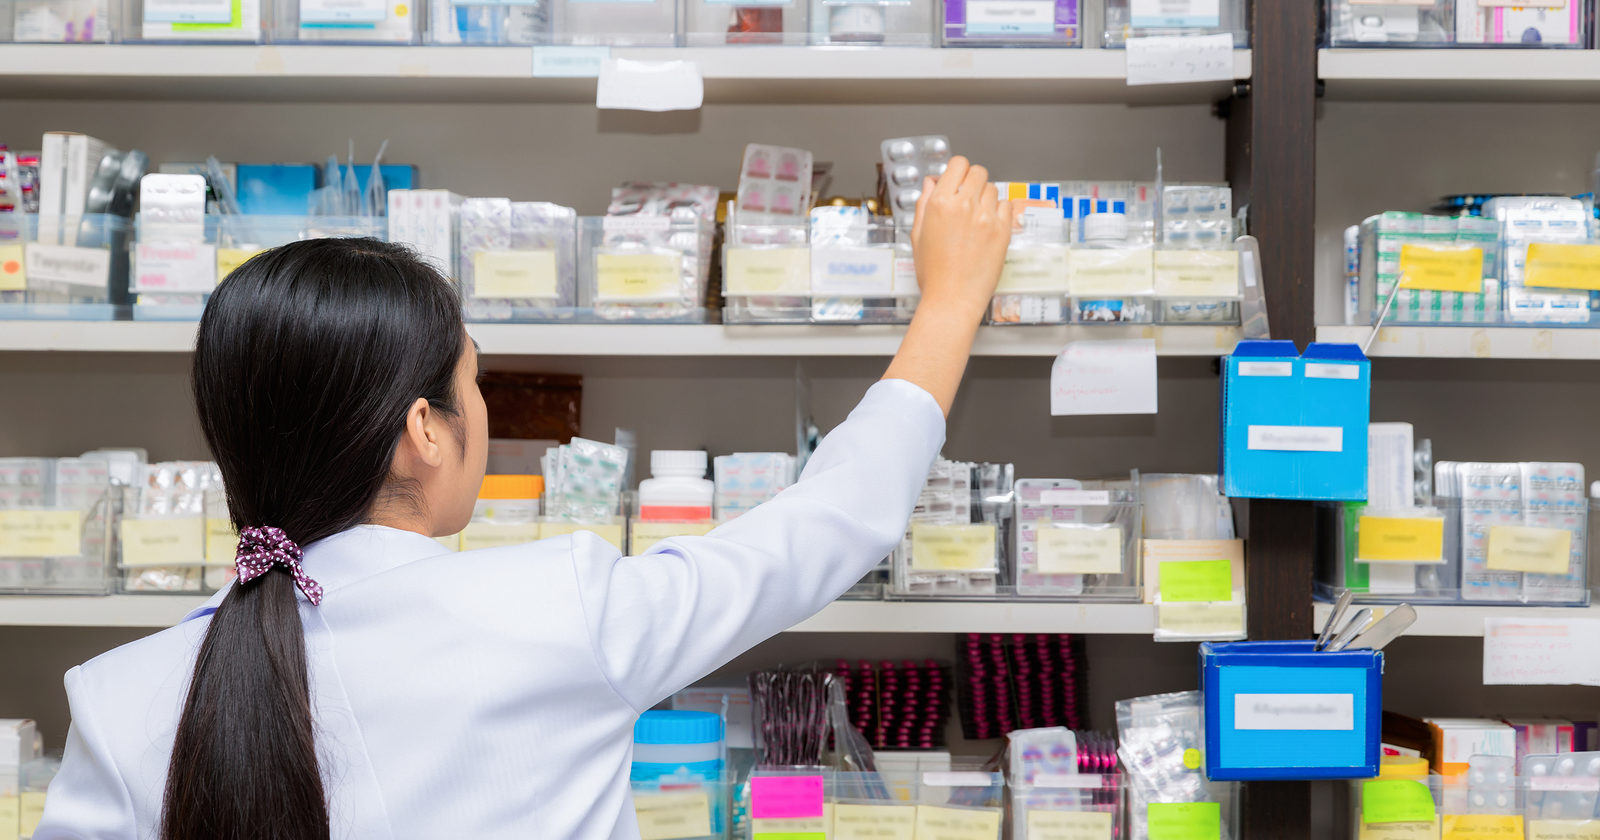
{"x": 1052, "y": 23}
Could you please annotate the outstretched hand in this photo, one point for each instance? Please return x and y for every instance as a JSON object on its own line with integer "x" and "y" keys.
{"x": 959, "y": 238}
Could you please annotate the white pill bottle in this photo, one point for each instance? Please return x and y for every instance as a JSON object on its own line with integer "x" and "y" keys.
{"x": 677, "y": 490}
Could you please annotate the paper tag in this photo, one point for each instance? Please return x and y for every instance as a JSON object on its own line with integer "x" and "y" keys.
{"x": 852, "y": 271}
{"x": 1294, "y": 712}
{"x": 1104, "y": 377}
{"x": 1011, "y": 17}
{"x": 1075, "y": 498}
{"x": 874, "y": 822}
{"x": 1068, "y": 825}
{"x": 41, "y": 533}
{"x": 1564, "y": 784}
{"x": 936, "y": 823}
{"x": 1475, "y": 826}
{"x": 68, "y": 266}
{"x": 1521, "y": 548}
{"x": 32, "y": 811}
{"x": 1175, "y": 14}
{"x": 1266, "y": 369}
{"x": 10, "y": 815}
{"x": 1441, "y": 269}
{"x": 1553, "y": 265}
{"x": 611, "y": 533}
{"x": 188, "y": 11}
{"x": 966, "y": 548}
{"x": 1323, "y": 370}
{"x": 496, "y": 535}
{"x": 1110, "y": 272}
{"x": 342, "y": 11}
{"x": 1399, "y": 831}
{"x": 563, "y": 62}
{"x": 1196, "y": 580}
{"x": 1296, "y": 438}
{"x": 1396, "y": 801}
{"x": 766, "y": 271}
{"x": 647, "y": 534}
{"x": 1039, "y": 269}
{"x": 638, "y": 277}
{"x": 959, "y": 778}
{"x": 1564, "y": 830}
{"x": 1175, "y": 59}
{"x": 13, "y": 269}
{"x": 785, "y": 797}
{"x": 673, "y": 816}
{"x": 175, "y": 267}
{"x": 1400, "y": 539}
{"x": 1205, "y": 274}
{"x": 630, "y": 85}
{"x": 515, "y": 274}
{"x": 1079, "y": 550}
{"x": 1071, "y": 781}
{"x": 229, "y": 259}
{"x": 222, "y": 542}
{"x": 1553, "y": 651}
{"x": 1201, "y": 620}
{"x": 791, "y": 829}
{"x": 1184, "y": 821}
{"x": 180, "y": 541}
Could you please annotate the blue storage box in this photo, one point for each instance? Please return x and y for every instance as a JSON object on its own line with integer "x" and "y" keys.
{"x": 1294, "y": 426}
{"x": 1283, "y": 711}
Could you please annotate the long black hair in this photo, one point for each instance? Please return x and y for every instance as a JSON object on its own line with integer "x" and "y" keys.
{"x": 308, "y": 359}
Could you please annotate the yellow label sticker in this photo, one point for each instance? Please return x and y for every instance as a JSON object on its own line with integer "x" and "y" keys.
{"x": 967, "y": 548}
{"x": 1191, "y": 758}
{"x": 1554, "y": 265}
{"x": 32, "y": 811}
{"x": 646, "y": 534}
{"x": 41, "y": 533}
{"x": 1441, "y": 269}
{"x": 936, "y": 823}
{"x": 1477, "y": 826}
{"x": 1564, "y": 830}
{"x": 515, "y": 274}
{"x": 1400, "y": 539}
{"x": 673, "y": 816}
{"x": 222, "y": 542}
{"x": 1068, "y": 825}
{"x": 1111, "y": 272}
{"x": 1196, "y": 580}
{"x": 1201, "y": 619}
{"x": 452, "y": 542}
{"x": 767, "y": 271}
{"x": 1079, "y": 550}
{"x": 1523, "y": 548}
{"x": 611, "y": 533}
{"x": 10, "y": 816}
{"x": 13, "y": 269}
{"x": 775, "y": 827}
{"x": 874, "y": 822}
{"x": 495, "y": 535}
{"x": 638, "y": 277}
{"x": 1211, "y": 274}
{"x": 180, "y": 541}
{"x": 1184, "y": 820}
{"x": 1037, "y": 269}
{"x": 229, "y": 259}
{"x": 1399, "y": 831}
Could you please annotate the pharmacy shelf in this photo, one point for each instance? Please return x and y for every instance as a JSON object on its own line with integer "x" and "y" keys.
{"x": 764, "y": 74}
{"x": 1467, "y": 621}
{"x": 1482, "y": 75}
{"x": 647, "y": 339}
{"x": 1468, "y": 342}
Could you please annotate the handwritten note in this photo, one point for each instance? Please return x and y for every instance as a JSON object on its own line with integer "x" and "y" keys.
{"x": 1104, "y": 377}
{"x": 1175, "y": 59}
{"x": 631, "y": 85}
{"x": 1554, "y": 651}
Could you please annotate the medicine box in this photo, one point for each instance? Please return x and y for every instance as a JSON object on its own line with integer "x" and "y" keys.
{"x": 1294, "y": 426}
{"x": 1457, "y": 740}
{"x": 1282, "y": 710}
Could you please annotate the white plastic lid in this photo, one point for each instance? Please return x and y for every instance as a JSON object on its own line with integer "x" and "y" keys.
{"x": 678, "y": 462}
{"x": 1105, "y": 226}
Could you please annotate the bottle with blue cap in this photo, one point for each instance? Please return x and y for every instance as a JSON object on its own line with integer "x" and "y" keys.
{"x": 677, "y": 744}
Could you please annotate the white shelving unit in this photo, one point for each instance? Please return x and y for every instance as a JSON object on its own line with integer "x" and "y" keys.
{"x": 647, "y": 340}
{"x": 1469, "y": 342}
{"x": 1480, "y": 75}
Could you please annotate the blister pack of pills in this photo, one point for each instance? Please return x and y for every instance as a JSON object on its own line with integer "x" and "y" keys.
{"x": 906, "y": 161}
{"x": 1491, "y": 786}
{"x": 518, "y": 259}
{"x": 1554, "y": 496}
{"x": 1160, "y": 739}
{"x": 584, "y": 481}
{"x": 666, "y": 220}
{"x": 746, "y": 479}
{"x": 172, "y": 490}
{"x": 774, "y": 185}
{"x": 1565, "y": 786}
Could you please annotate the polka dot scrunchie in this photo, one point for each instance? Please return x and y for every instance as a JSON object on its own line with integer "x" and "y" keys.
{"x": 262, "y": 548}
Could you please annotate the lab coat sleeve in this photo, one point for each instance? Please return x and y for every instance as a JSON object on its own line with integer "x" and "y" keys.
{"x": 87, "y": 799}
{"x": 666, "y": 618}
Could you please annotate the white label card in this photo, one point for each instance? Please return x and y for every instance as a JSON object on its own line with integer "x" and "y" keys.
{"x": 562, "y": 62}
{"x": 629, "y": 85}
{"x": 343, "y": 11}
{"x": 1175, "y": 59}
{"x": 1104, "y": 377}
{"x": 1175, "y": 13}
{"x": 1552, "y": 651}
{"x": 1296, "y": 438}
{"x": 1266, "y": 368}
{"x": 66, "y": 265}
{"x": 852, "y": 271}
{"x": 175, "y": 267}
{"x": 1011, "y": 17}
{"x": 1076, "y": 498}
{"x": 1323, "y": 370}
{"x": 188, "y": 11}
{"x": 1294, "y": 712}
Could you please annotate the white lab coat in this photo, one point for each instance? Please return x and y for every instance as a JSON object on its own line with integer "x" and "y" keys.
{"x": 493, "y": 693}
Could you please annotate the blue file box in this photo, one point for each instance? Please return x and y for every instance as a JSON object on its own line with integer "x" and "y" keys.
{"x": 1283, "y": 711}
{"x": 1294, "y": 426}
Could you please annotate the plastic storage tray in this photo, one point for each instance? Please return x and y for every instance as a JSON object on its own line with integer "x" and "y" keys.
{"x": 718, "y": 22}
{"x": 60, "y": 21}
{"x": 63, "y": 267}
{"x": 1126, "y": 19}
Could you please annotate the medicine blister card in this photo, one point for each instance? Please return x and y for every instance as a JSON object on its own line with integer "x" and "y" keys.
{"x": 1563, "y": 786}
{"x": 906, "y": 161}
{"x": 774, "y": 184}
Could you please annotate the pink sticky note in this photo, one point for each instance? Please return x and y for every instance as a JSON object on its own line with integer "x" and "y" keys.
{"x": 785, "y": 797}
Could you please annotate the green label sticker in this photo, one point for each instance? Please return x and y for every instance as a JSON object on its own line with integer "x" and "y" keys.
{"x": 1184, "y": 821}
{"x": 1196, "y": 580}
{"x": 1396, "y": 801}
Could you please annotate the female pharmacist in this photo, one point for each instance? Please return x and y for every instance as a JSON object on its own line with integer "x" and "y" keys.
{"x": 381, "y": 687}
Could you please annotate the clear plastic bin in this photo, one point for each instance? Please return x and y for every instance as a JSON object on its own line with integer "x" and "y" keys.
{"x": 1003, "y": 23}
{"x": 866, "y": 275}
{"x": 63, "y": 267}
{"x": 955, "y": 543}
{"x": 960, "y": 803}
{"x": 1112, "y": 284}
{"x": 347, "y": 21}
{"x": 165, "y": 543}
{"x": 1078, "y": 540}
{"x": 518, "y": 261}
{"x": 55, "y": 526}
{"x": 517, "y": 23}
{"x": 1396, "y": 807}
{"x": 60, "y": 21}
{"x": 766, "y": 273}
{"x": 1140, "y": 18}
{"x": 645, "y": 23}
{"x": 1360, "y": 23}
{"x": 718, "y": 22}
{"x": 901, "y": 23}
{"x": 1069, "y": 805}
{"x": 194, "y": 21}
{"x": 644, "y": 268}
{"x": 1387, "y": 239}
{"x": 1556, "y": 24}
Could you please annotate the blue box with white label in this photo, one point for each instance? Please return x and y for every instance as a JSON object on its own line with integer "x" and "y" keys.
{"x": 1294, "y": 425}
{"x": 1284, "y": 711}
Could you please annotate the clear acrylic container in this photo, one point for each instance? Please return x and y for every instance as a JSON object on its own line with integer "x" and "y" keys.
{"x": 960, "y": 803}
{"x": 1556, "y": 24}
{"x": 1068, "y": 805}
{"x": 164, "y": 544}
{"x": 644, "y": 268}
{"x": 766, "y": 273}
{"x": 195, "y": 21}
{"x": 1355, "y": 23}
{"x": 518, "y": 261}
{"x": 644, "y": 23}
{"x": 347, "y": 21}
{"x": 1033, "y": 282}
{"x": 1078, "y": 540}
{"x": 518, "y": 23}
{"x": 63, "y": 267}
{"x": 55, "y": 526}
{"x": 507, "y": 513}
{"x": 60, "y": 21}
{"x": 864, "y": 274}
{"x": 1397, "y": 807}
{"x": 901, "y": 23}
{"x": 1140, "y": 18}
{"x": 955, "y": 543}
{"x": 1383, "y": 239}
{"x": 1112, "y": 284}
{"x": 1012, "y": 23}
{"x": 718, "y": 22}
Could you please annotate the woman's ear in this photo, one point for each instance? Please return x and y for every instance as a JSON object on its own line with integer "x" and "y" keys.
{"x": 424, "y": 436}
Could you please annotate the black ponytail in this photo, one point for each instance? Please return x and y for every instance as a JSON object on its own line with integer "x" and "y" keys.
{"x": 308, "y": 358}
